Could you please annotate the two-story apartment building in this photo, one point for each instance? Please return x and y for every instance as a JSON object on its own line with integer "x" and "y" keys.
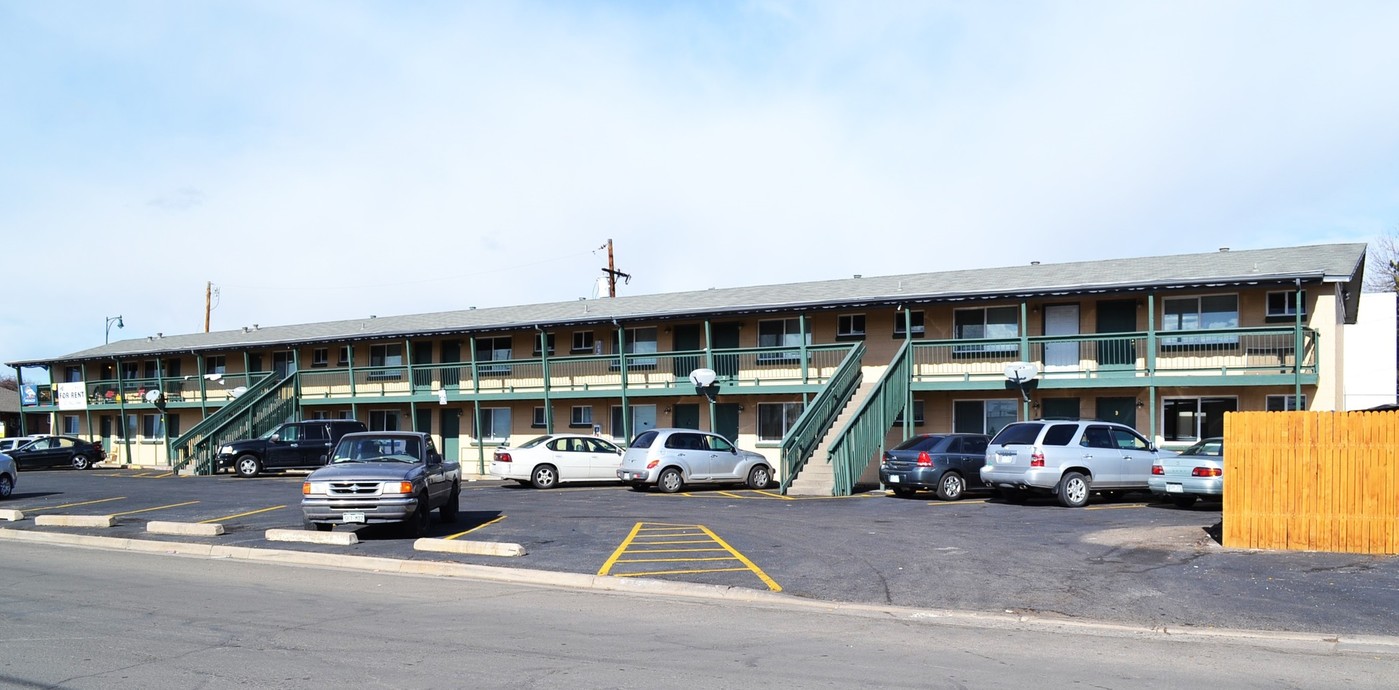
{"x": 815, "y": 375}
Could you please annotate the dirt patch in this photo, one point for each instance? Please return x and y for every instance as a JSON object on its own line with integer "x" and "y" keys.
{"x": 1176, "y": 538}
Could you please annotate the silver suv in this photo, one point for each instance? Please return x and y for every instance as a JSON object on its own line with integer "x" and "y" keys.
{"x": 672, "y": 458}
{"x": 1070, "y": 459}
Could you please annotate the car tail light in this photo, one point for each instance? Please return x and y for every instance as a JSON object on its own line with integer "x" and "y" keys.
{"x": 502, "y": 457}
{"x": 1206, "y": 472}
{"x": 924, "y": 460}
{"x": 1158, "y": 470}
{"x": 1036, "y": 457}
{"x": 652, "y": 465}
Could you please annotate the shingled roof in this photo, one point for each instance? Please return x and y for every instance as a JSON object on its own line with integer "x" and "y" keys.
{"x": 1334, "y": 263}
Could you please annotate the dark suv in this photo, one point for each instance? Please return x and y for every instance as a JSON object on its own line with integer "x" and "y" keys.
{"x": 293, "y": 445}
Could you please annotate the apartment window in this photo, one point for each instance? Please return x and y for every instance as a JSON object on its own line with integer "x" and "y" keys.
{"x": 775, "y": 419}
{"x": 215, "y": 365}
{"x": 1284, "y": 403}
{"x": 152, "y": 427}
{"x": 539, "y": 421}
{"x": 982, "y": 416}
{"x": 915, "y": 322}
{"x": 385, "y": 356}
{"x": 383, "y": 420}
{"x": 320, "y": 357}
{"x": 494, "y": 424}
{"x": 1199, "y": 314}
{"x": 581, "y": 416}
{"x": 1284, "y": 304}
{"x": 917, "y": 414}
{"x": 129, "y": 371}
{"x": 72, "y": 374}
{"x": 780, "y": 333}
{"x": 850, "y": 326}
{"x": 1191, "y": 419}
{"x": 986, "y": 324}
{"x": 641, "y": 341}
{"x": 550, "y": 338}
{"x": 152, "y": 368}
{"x": 132, "y": 422}
{"x": 70, "y": 424}
{"x": 493, "y": 349}
{"x": 347, "y": 356}
{"x": 582, "y": 342}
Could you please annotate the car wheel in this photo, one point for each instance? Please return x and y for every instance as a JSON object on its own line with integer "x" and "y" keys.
{"x": 449, "y": 510}
{"x": 7, "y": 486}
{"x": 80, "y": 462}
{"x": 759, "y": 477}
{"x": 951, "y": 486}
{"x": 670, "y": 480}
{"x": 1073, "y": 490}
{"x": 903, "y": 491}
{"x": 1016, "y": 496}
{"x": 416, "y": 525}
{"x": 247, "y": 466}
{"x": 1183, "y": 501}
{"x": 544, "y": 477}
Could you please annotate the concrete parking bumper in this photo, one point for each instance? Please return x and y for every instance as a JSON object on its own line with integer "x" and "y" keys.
{"x": 186, "y": 529}
{"x": 309, "y": 537}
{"x": 75, "y": 520}
{"x": 11, "y": 515}
{"x": 474, "y": 548}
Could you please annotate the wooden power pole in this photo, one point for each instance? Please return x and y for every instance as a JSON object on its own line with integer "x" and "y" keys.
{"x": 208, "y": 292}
{"x": 612, "y": 272}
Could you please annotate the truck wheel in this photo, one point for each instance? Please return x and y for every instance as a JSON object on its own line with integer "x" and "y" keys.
{"x": 416, "y": 525}
{"x": 247, "y": 466}
{"x": 448, "y": 511}
{"x": 544, "y": 477}
{"x": 670, "y": 480}
{"x": 1073, "y": 490}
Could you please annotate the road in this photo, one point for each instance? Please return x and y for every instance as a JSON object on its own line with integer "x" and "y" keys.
{"x": 165, "y": 622}
{"x": 1131, "y": 561}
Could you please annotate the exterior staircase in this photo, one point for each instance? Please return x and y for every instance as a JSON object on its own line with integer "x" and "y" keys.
{"x": 817, "y": 477}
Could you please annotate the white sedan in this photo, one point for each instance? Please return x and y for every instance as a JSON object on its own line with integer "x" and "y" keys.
{"x": 545, "y": 461}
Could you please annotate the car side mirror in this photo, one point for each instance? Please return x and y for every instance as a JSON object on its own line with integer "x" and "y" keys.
{"x": 276, "y": 438}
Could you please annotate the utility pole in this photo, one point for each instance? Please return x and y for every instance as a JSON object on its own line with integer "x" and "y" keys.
{"x": 612, "y": 272}
{"x": 208, "y": 292}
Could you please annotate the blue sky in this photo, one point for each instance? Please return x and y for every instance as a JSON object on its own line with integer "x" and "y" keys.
{"x": 319, "y": 161}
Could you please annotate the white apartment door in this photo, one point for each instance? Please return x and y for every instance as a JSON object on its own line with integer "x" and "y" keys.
{"x": 1061, "y": 319}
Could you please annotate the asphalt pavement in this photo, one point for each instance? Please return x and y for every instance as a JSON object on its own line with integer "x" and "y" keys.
{"x": 1132, "y": 561}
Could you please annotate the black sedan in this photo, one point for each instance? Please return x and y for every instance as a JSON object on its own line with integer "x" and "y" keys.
{"x": 57, "y": 451}
{"x": 946, "y": 463}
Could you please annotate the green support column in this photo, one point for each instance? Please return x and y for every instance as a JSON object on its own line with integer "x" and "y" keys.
{"x": 19, "y": 380}
{"x": 199, "y": 366}
{"x": 476, "y": 409}
{"x": 354, "y": 393}
{"x": 709, "y": 364}
{"x": 247, "y": 370}
{"x": 412, "y": 403}
{"x": 622, "y": 363}
{"x": 908, "y": 386}
{"x": 544, "y": 366}
{"x": 1024, "y": 354}
{"x": 164, "y": 413}
{"x": 121, "y": 411}
{"x": 806, "y": 363}
{"x": 1151, "y": 363}
{"x": 1297, "y": 349}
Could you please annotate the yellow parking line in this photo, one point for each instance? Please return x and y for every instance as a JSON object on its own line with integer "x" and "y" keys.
{"x": 147, "y": 510}
{"x": 611, "y": 560}
{"x": 744, "y": 560}
{"x": 84, "y": 503}
{"x": 682, "y": 572}
{"x": 674, "y": 560}
{"x": 769, "y": 493}
{"x": 473, "y": 529}
{"x": 1117, "y": 507}
{"x": 232, "y": 517}
{"x": 670, "y": 550}
{"x": 955, "y": 503}
{"x": 730, "y": 494}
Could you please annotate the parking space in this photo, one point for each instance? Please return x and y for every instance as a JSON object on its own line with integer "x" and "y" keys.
{"x": 1131, "y": 558}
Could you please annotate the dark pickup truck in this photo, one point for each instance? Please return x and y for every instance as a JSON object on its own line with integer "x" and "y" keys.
{"x": 382, "y": 477}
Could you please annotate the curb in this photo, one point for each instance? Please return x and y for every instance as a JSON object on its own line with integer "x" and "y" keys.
{"x": 1353, "y": 644}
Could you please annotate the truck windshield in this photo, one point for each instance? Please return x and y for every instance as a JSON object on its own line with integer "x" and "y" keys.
{"x": 377, "y": 450}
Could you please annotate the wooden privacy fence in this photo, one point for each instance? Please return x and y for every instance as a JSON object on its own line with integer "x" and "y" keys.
{"x": 1312, "y": 481}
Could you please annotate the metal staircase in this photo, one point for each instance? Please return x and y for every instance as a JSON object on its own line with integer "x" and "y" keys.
{"x": 267, "y": 403}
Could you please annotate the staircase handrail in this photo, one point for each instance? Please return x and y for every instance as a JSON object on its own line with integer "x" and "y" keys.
{"x": 862, "y": 437}
{"x": 801, "y": 440}
{"x": 195, "y": 442}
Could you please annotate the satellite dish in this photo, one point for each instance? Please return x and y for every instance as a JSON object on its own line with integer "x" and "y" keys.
{"x": 703, "y": 378}
{"x": 238, "y": 391}
{"x": 153, "y": 395}
{"x": 1020, "y": 372}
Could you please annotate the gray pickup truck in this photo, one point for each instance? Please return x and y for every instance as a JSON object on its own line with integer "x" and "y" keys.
{"x": 380, "y": 477}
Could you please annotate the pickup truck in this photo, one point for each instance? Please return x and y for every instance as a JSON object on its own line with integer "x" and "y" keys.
{"x": 379, "y": 477}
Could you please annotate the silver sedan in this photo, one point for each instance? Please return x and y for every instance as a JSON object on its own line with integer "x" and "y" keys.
{"x": 1197, "y": 472}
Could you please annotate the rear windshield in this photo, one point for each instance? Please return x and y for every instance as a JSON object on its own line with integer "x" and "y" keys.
{"x": 535, "y": 441}
{"x": 643, "y": 439}
{"x": 1020, "y": 432}
{"x": 920, "y": 442}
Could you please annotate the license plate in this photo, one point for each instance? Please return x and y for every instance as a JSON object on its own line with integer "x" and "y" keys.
{"x": 1003, "y": 459}
{"x": 1175, "y": 489}
{"x": 893, "y": 479}
{"x": 353, "y": 517}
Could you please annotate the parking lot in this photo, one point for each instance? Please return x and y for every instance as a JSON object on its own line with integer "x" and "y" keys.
{"x": 1133, "y": 560}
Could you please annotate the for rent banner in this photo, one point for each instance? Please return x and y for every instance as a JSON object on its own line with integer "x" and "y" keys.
{"x": 71, "y": 396}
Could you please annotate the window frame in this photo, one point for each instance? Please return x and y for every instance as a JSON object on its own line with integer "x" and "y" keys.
{"x": 320, "y": 357}
{"x": 1174, "y": 322}
{"x": 788, "y": 414}
{"x": 1291, "y": 307}
{"x": 578, "y": 421}
{"x": 784, "y": 337}
{"x": 985, "y": 325}
{"x": 850, "y": 327}
{"x": 917, "y": 319}
{"x": 1289, "y": 402}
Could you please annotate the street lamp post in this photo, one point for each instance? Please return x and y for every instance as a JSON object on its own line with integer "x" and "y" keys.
{"x": 111, "y": 320}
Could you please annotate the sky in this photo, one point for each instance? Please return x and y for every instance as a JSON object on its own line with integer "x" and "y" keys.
{"x": 327, "y": 160}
